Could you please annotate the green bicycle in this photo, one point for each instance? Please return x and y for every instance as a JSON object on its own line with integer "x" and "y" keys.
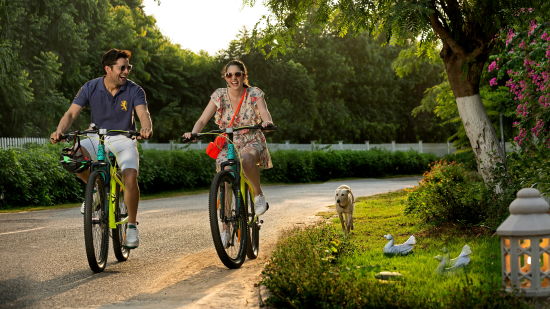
{"x": 104, "y": 208}
{"x": 231, "y": 206}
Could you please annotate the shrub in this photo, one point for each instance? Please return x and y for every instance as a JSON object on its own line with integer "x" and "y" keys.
{"x": 449, "y": 193}
{"x": 33, "y": 176}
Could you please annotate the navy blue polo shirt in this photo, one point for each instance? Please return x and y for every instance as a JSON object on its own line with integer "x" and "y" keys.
{"x": 108, "y": 111}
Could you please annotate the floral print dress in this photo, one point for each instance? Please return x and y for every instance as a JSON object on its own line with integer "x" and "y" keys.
{"x": 248, "y": 115}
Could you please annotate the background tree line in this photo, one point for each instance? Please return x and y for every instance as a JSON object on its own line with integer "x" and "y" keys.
{"x": 327, "y": 88}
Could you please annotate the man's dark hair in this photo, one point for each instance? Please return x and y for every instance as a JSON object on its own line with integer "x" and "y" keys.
{"x": 111, "y": 56}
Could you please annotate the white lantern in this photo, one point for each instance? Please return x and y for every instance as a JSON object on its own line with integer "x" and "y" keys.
{"x": 525, "y": 245}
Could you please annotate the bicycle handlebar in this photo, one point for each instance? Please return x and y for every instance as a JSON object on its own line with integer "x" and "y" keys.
{"x": 227, "y": 130}
{"x": 70, "y": 135}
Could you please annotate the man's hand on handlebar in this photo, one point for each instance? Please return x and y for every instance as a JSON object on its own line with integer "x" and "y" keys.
{"x": 145, "y": 133}
{"x": 56, "y": 137}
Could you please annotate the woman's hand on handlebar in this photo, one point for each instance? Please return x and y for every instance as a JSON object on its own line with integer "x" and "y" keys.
{"x": 266, "y": 124}
{"x": 188, "y": 137}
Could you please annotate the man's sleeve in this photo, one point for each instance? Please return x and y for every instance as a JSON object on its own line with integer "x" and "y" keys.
{"x": 140, "y": 98}
{"x": 81, "y": 97}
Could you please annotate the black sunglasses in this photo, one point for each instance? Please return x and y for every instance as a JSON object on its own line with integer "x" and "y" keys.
{"x": 237, "y": 74}
{"x": 124, "y": 67}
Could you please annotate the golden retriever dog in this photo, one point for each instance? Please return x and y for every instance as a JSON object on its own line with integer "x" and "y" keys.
{"x": 344, "y": 207}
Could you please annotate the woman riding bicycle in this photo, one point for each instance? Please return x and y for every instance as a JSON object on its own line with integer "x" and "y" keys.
{"x": 251, "y": 144}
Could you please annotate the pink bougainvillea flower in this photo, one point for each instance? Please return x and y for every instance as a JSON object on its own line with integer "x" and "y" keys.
{"x": 510, "y": 36}
{"x": 532, "y": 27}
{"x": 492, "y": 66}
{"x": 493, "y": 81}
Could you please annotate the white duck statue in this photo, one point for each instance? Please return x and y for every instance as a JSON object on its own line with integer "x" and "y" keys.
{"x": 462, "y": 259}
{"x": 402, "y": 249}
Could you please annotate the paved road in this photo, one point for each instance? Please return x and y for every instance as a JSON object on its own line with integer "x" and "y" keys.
{"x": 43, "y": 262}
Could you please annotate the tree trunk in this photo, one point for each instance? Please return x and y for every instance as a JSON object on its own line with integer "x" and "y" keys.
{"x": 464, "y": 72}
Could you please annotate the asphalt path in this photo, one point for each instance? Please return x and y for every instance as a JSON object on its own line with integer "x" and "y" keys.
{"x": 43, "y": 262}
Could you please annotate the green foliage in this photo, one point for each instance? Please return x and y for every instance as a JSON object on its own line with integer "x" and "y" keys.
{"x": 305, "y": 166}
{"x": 345, "y": 87}
{"x": 449, "y": 193}
{"x": 318, "y": 267}
{"x": 174, "y": 170}
{"x": 33, "y": 176}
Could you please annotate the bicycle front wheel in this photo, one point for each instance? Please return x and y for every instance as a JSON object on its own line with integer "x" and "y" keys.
{"x": 96, "y": 227}
{"x": 227, "y": 220}
{"x": 119, "y": 234}
{"x": 253, "y": 247}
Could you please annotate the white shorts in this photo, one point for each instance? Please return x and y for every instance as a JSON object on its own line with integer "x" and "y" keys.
{"x": 124, "y": 149}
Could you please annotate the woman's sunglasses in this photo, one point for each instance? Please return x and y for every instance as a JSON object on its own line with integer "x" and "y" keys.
{"x": 237, "y": 74}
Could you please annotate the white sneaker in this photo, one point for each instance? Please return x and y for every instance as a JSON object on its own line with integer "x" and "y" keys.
{"x": 225, "y": 238}
{"x": 260, "y": 205}
{"x": 132, "y": 237}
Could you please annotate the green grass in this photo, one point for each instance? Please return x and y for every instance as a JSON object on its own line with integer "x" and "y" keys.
{"x": 319, "y": 267}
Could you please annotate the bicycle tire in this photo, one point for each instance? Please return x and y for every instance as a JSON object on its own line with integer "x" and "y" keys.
{"x": 253, "y": 247}
{"x": 235, "y": 220}
{"x": 119, "y": 234}
{"x": 96, "y": 226}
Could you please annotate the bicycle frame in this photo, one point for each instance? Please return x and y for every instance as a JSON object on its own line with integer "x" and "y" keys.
{"x": 110, "y": 173}
{"x": 112, "y": 178}
{"x": 233, "y": 155}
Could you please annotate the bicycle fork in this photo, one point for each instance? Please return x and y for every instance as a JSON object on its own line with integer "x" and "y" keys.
{"x": 115, "y": 179}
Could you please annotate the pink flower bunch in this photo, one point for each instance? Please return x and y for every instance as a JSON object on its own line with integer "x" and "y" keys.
{"x": 493, "y": 66}
{"x": 536, "y": 130}
{"x": 522, "y": 110}
{"x": 510, "y": 36}
{"x": 524, "y": 65}
{"x": 521, "y": 137}
{"x": 532, "y": 27}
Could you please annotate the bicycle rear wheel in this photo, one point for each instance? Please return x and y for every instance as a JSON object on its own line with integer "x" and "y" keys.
{"x": 229, "y": 218}
{"x": 253, "y": 247}
{"x": 119, "y": 234}
{"x": 96, "y": 227}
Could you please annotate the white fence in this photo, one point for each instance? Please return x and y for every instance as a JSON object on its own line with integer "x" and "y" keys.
{"x": 439, "y": 149}
{"x": 8, "y": 142}
{"x": 435, "y": 148}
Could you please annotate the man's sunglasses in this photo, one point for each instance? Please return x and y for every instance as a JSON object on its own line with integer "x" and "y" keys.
{"x": 237, "y": 74}
{"x": 124, "y": 67}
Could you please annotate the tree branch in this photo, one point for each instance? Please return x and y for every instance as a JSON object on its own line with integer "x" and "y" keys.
{"x": 452, "y": 10}
{"x": 443, "y": 34}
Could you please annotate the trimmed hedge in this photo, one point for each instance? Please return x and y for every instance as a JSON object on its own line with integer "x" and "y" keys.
{"x": 33, "y": 176}
{"x": 305, "y": 166}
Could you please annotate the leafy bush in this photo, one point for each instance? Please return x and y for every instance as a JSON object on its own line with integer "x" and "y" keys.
{"x": 33, "y": 176}
{"x": 304, "y": 166}
{"x": 449, "y": 193}
{"x": 172, "y": 170}
{"x": 466, "y": 157}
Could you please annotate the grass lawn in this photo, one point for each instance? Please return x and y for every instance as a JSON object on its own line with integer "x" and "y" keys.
{"x": 317, "y": 267}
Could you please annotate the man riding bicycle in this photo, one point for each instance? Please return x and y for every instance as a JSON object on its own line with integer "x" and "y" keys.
{"x": 113, "y": 99}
